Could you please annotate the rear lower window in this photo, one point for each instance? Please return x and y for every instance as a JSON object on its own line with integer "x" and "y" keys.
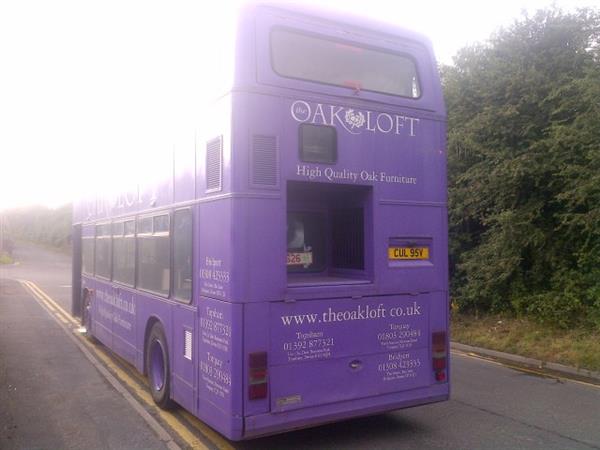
{"x": 347, "y": 240}
{"x": 312, "y": 58}
{"x": 306, "y": 242}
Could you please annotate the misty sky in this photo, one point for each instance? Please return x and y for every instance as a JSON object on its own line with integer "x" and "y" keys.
{"x": 89, "y": 88}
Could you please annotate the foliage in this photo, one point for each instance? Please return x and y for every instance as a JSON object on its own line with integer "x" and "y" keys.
{"x": 42, "y": 225}
{"x": 524, "y": 169}
{"x": 5, "y": 258}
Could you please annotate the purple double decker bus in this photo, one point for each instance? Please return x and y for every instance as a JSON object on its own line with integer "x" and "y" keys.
{"x": 290, "y": 269}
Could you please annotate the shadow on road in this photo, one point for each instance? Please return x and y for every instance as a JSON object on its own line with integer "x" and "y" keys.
{"x": 382, "y": 428}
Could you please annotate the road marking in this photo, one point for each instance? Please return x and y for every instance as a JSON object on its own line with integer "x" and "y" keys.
{"x": 171, "y": 420}
{"x": 32, "y": 292}
{"x": 158, "y": 429}
{"x": 48, "y": 299}
{"x": 215, "y": 438}
{"x": 61, "y": 318}
{"x": 521, "y": 369}
{"x": 137, "y": 386}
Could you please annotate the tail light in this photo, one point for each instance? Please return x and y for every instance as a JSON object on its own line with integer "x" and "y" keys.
{"x": 439, "y": 355}
{"x": 257, "y": 375}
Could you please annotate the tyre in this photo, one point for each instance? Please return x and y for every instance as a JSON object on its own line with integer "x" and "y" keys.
{"x": 85, "y": 310}
{"x": 158, "y": 368}
{"x": 86, "y": 316}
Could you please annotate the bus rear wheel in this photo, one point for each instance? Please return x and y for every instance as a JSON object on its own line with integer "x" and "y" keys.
{"x": 157, "y": 367}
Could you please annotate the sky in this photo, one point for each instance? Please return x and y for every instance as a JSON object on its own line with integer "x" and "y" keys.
{"x": 88, "y": 89}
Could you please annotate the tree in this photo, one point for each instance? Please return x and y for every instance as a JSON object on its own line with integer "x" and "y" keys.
{"x": 524, "y": 171}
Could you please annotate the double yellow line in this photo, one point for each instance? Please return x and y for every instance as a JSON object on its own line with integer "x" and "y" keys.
{"x": 135, "y": 382}
{"x": 54, "y": 307}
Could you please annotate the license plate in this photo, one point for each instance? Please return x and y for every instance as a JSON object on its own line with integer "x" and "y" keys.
{"x": 299, "y": 258}
{"x": 408, "y": 253}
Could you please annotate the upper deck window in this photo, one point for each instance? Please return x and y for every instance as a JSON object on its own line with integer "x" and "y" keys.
{"x": 311, "y": 58}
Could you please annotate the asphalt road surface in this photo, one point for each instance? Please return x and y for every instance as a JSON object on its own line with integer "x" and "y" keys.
{"x": 59, "y": 391}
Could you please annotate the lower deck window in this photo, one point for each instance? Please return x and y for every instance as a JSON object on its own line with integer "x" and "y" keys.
{"x": 182, "y": 254}
{"x": 102, "y": 253}
{"x": 124, "y": 252}
{"x": 154, "y": 258}
{"x": 87, "y": 258}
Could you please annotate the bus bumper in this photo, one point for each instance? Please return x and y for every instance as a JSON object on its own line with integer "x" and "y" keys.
{"x": 273, "y": 423}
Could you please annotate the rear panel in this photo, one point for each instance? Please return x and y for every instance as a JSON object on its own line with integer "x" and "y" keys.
{"x": 326, "y": 351}
{"x": 343, "y": 253}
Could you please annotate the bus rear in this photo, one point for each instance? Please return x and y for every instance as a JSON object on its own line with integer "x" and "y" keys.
{"x": 337, "y": 241}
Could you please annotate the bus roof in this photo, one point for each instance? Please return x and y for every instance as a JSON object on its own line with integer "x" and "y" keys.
{"x": 323, "y": 14}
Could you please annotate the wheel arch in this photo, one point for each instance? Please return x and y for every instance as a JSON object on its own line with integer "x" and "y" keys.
{"x": 152, "y": 320}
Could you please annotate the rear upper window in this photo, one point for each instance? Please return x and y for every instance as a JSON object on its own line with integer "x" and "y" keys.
{"x": 311, "y": 58}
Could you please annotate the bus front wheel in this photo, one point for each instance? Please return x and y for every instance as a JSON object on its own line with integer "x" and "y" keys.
{"x": 86, "y": 315}
{"x": 157, "y": 367}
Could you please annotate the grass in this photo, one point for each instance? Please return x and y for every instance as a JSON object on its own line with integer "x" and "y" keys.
{"x": 5, "y": 258}
{"x": 576, "y": 347}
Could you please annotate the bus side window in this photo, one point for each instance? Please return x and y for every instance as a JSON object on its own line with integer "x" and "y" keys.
{"x": 124, "y": 252}
{"x": 87, "y": 259}
{"x": 154, "y": 267}
{"x": 182, "y": 255}
{"x": 102, "y": 257}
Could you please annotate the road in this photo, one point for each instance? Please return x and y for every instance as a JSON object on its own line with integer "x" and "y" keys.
{"x": 59, "y": 391}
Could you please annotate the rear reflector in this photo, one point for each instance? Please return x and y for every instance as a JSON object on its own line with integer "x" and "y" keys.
{"x": 439, "y": 364}
{"x": 257, "y": 375}
{"x": 256, "y": 391}
{"x": 438, "y": 341}
{"x": 439, "y": 355}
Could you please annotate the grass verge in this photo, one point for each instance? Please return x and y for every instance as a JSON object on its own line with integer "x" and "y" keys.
{"x": 5, "y": 258}
{"x": 576, "y": 347}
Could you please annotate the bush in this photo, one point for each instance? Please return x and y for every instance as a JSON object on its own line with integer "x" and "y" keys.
{"x": 523, "y": 170}
{"x": 5, "y": 258}
{"x": 559, "y": 310}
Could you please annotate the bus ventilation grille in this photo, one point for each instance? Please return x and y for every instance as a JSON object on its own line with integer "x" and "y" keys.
{"x": 187, "y": 346}
{"x": 214, "y": 164}
{"x": 265, "y": 161}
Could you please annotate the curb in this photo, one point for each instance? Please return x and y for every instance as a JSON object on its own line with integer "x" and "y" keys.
{"x": 566, "y": 371}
